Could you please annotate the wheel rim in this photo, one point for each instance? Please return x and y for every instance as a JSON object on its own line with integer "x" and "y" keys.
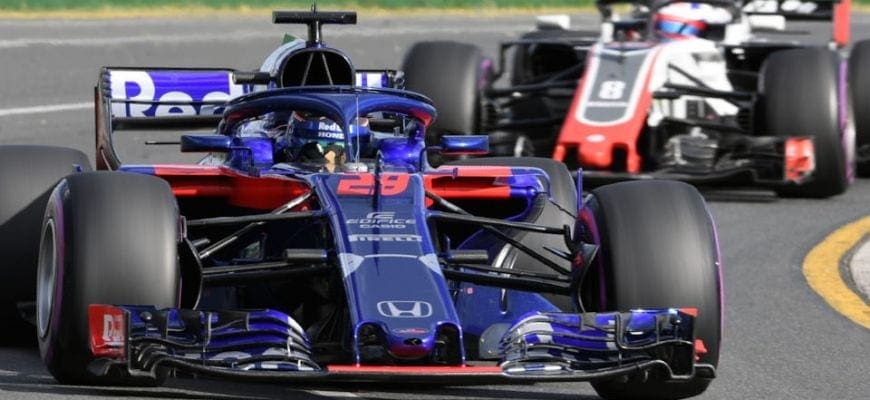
{"x": 46, "y": 278}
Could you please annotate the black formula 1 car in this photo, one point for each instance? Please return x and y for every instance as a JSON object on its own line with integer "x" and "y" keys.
{"x": 676, "y": 90}
{"x": 315, "y": 243}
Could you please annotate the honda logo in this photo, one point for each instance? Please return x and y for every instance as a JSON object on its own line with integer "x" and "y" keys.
{"x": 405, "y": 309}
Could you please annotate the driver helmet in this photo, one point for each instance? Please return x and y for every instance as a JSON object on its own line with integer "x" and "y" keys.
{"x": 688, "y": 20}
{"x": 313, "y": 138}
{"x": 269, "y": 125}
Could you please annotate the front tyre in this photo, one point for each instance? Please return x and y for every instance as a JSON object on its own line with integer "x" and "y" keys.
{"x": 107, "y": 238}
{"x": 800, "y": 96}
{"x": 660, "y": 250}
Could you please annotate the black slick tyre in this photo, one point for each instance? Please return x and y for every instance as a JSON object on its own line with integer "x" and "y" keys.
{"x": 536, "y": 61}
{"x": 449, "y": 73}
{"x": 800, "y": 97}
{"x": 659, "y": 248}
{"x": 107, "y": 238}
{"x": 558, "y": 210}
{"x": 27, "y": 176}
{"x": 859, "y": 91}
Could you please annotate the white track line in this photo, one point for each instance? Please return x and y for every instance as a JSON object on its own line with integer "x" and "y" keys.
{"x": 45, "y": 109}
{"x": 122, "y": 40}
{"x": 332, "y": 394}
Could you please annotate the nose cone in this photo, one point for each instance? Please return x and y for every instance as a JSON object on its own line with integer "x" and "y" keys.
{"x": 596, "y": 154}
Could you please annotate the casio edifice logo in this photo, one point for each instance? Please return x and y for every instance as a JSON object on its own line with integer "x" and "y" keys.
{"x": 381, "y": 220}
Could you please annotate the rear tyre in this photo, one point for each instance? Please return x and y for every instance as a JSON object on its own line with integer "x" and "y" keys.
{"x": 859, "y": 87}
{"x": 800, "y": 97}
{"x": 659, "y": 247}
{"x": 107, "y": 238}
{"x": 27, "y": 175}
{"x": 558, "y": 210}
{"x": 451, "y": 74}
{"x": 534, "y": 62}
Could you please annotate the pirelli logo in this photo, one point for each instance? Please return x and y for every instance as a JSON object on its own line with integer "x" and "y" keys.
{"x": 385, "y": 238}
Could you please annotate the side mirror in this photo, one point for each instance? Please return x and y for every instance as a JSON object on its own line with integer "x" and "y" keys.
{"x": 461, "y": 145}
{"x": 205, "y": 143}
{"x": 251, "y": 78}
{"x": 553, "y": 22}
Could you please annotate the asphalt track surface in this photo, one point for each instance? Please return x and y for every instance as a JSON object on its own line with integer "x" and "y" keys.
{"x": 782, "y": 341}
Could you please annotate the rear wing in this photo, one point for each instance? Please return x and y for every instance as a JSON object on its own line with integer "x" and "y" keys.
{"x": 166, "y": 98}
{"x": 794, "y": 10}
{"x": 835, "y": 11}
{"x": 131, "y": 98}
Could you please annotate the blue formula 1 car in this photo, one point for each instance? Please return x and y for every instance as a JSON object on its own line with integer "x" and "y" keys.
{"x": 316, "y": 243}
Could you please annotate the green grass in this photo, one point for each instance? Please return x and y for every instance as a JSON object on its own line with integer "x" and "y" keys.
{"x": 53, "y": 5}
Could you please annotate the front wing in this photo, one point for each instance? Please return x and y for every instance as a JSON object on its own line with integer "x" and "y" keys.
{"x": 764, "y": 161}
{"x": 267, "y": 345}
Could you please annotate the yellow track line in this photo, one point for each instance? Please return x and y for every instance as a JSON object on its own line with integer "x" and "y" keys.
{"x": 822, "y": 270}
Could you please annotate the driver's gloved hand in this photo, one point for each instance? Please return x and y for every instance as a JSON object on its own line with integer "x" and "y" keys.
{"x": 311, "y": 153}
{"x": 334, "y": 154}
